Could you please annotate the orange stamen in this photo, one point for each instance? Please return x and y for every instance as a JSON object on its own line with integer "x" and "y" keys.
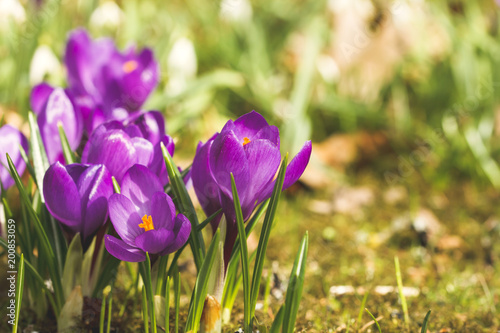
{"x": 129, "y": 66}
{"x": 147, "y": 224}
{"x": 246, "y": 141}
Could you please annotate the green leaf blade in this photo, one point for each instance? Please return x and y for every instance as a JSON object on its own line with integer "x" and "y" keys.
{"x": 294, "y": 290}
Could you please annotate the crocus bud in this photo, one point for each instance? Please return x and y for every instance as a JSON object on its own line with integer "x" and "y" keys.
{"x": 77, "y": 195}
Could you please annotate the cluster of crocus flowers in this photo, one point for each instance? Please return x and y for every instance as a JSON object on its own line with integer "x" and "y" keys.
{"x": 249, "y": 148}
{"x": 102, "y": 106}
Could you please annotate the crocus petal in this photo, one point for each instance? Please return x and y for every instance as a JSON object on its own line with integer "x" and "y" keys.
{"x": 294, "y": 170}
{"x": 152, "y": 126}
{"x": 298, "y": 165}
{"x": 76, "y": 170}
{"x": 154, "y": 241}
{"x": 157, "y": 165}
{"x": 228, "y": 156}
{"x": 95, "y": 187}
{"x": 59, "y": 109}
{"x": 84, "y": 59}
{"x": 264, "y": 159}
{"x": 162, "y": 211}
{"x": 125, "y": 218}
{"x": 250, "y": 124}
{"x": 9, "y": 144}
{"x": 144, "y": 150}
{"x": 205, "y": 187}
{"x": 121, "y": 250}
{"x": 113, "y": 149}
{"x": 61, "y": 196}
{"x": 128, "y": 87}
{"x": 139, "y": 185}
{"x": 270, "y": 133}
{"x": 182, "y": 230}
{"x": 39, "y": 96}
{"x": 133, "y": 131}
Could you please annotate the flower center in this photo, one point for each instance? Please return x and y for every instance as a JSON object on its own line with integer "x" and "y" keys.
{"x": 129, "y": 66}
{"x": 246, "y": 141}
{"x": 147, "y": 224}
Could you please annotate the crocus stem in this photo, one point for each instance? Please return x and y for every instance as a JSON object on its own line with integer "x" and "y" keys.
{"x": 146, "y": 277}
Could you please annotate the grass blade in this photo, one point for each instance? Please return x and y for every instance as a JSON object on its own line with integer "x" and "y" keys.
{"x": 19, "y": 292}
{"x": 146, "y": 277}
{"x": 185, "y": 206}
{"x": 249, "y": 227}
{"x": 201, "y": 285}
{"x": 145, "y": 315}
{"x": 72, "y": 272}
{"x": 103, "y": 313}
{"x": 401, "y": 295}
{"x": 294, "y": 290}
{"x": 375, "y": 320}
{"x": 40, "y": 160}
{"x": 278, "y": 321}
{"x": 264, "y": 236}
{"x": 69, "y": 157}
{"x": 209, "y": 219}
{"x": 426, "y": 321}
{"x": 116, "y": 186}
{"x": 362, "y": 308}
{"x": 37, "y": 278}
{"x": 245, "y": 268}
{"x": 44, "y": 244}
{"x": 177, "y": 292}
{"x": 167, "y": 304}
{"x": 110, "y": 307}
{"x": 41, "y": 164}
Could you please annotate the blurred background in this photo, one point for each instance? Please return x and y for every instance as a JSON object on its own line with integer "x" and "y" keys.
{"x": 401, "y": 99}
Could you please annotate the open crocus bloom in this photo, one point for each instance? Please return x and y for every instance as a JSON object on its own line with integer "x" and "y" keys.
{"x": 77, "y": 195}
{"x": 103, "y": 80}
{"x": 145, "y": 218}
{"x": 119, "y": 146}
{"x": 10, "y": 140}
{"x": 250, "y": 149}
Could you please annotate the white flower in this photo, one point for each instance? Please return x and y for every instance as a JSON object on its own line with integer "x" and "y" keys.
{"x": 182, "y": 65}
{"x": 11, "y": 10}
{"x": 328, "y": 68}
{"x": 235, "y": 10}
{"x": 108, "y": 14}
{"x": 44, "y": 62}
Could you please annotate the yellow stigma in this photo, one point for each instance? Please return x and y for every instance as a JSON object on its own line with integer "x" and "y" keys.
{"x": 129, "y": 66}
{"x": 147, "y": 223}
{"x": 246, "y": 141}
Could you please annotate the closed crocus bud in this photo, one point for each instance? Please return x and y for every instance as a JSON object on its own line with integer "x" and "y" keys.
{"x": 10, "y": 140}
{"x": 249, "y": 148}
{"x": 53, "y": 107}
{"x": 119, "y": 147}
{"x": 77, "y": 195}
{"x": 145, "y": 218}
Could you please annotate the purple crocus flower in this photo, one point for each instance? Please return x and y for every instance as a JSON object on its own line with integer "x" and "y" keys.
{"x": 77, "y": 195}
{"x": 105, "y": 82}
{"x": 54, "y": 106}
{"x": 120, "y": 146}
{"x": 250, "y": 149}
{"x": 10, "y": 140}
{"x": 145, "y": 218}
